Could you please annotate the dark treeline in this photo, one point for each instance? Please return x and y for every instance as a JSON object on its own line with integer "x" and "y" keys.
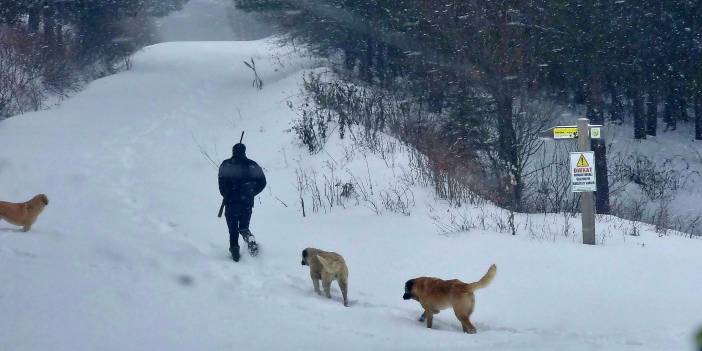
{"x": 638, "y": 60}
{"x": 50, "y": 45}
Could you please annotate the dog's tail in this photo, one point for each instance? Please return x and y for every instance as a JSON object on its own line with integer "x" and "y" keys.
{"x": 485, "y": 280}
{"x": 330, "y": 267}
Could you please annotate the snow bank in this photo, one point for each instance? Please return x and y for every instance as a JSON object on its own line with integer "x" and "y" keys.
{"x": 130, "y": 255}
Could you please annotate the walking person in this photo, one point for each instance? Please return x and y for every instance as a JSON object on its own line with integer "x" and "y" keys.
{"x": 240, "y": 180}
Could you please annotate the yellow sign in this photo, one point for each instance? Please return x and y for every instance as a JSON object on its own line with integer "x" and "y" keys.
{"x": 582, "y": 161}
{"x": 565, "y": 132}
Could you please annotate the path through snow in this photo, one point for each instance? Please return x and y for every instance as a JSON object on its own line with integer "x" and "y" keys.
{"x": 131, "y": 256}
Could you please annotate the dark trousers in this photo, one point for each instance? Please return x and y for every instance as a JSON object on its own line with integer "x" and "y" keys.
{"x": 237, "y": 220}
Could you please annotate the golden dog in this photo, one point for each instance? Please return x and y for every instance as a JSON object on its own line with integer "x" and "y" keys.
{"x": 327, "y": 266}
{"x": 23, "y": 214}
{"x": 435, "y": 295}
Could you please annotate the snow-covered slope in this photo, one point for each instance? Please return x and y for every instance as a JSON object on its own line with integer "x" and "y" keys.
{"x": 130, "y": 255}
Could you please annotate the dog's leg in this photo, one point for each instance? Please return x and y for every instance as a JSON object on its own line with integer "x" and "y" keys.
{"x": 26, "y": 228}
{"x": 327, "y": 288}
{"x": 464, "y": 318}
{"x": 326, "y": 284}
{"x": 344, "y": 286}
{"x": 423, "y": 316}
{"x": 315, "y": 282}
{"x": 429, "y": 317}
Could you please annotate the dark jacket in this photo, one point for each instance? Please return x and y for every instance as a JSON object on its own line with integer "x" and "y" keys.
{"x": 240, "y": 180}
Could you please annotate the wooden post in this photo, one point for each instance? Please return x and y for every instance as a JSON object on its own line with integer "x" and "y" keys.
{"x": 586, "y": 198}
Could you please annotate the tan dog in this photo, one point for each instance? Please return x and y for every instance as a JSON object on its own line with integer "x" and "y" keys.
{"x": 327, "y": 266}
{"x": 435, "y": 295}
{"x": 23, "y": 214}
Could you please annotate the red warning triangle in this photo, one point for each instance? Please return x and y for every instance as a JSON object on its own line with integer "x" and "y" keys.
{"x": 582, "y": 162}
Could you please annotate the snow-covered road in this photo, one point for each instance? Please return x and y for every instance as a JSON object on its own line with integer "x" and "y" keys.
{"x": 130, "y": 255}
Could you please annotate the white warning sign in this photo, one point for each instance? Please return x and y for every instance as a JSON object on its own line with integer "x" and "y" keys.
{"x": 582, "y": 171}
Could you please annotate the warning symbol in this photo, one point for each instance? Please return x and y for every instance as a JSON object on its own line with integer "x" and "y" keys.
{"x": 582, "y": 161}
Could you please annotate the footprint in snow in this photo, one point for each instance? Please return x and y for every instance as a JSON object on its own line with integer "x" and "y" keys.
{"x": 485, "y": 327}
{"x": 10, "y": 230}
{"x": 20, "y": 253}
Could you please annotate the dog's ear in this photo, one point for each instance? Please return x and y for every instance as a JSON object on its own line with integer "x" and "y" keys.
{"x": 408, "y": 289}
{"x": 408, "y": 285}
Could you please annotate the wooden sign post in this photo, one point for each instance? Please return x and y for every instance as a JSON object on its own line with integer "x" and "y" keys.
{"x": 582, "y": 170}
{"x": 587, "y": 202}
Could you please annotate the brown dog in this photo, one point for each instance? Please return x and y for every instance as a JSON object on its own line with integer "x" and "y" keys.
{"x": 23, "y": 214}
{"x": 435, "y": 295}
{"x": 327, "y": 266}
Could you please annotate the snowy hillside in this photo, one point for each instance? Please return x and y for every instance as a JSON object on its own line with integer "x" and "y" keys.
{"x": 129, "y": 254}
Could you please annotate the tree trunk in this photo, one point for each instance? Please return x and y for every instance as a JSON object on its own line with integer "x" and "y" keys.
{"x": 682, "y": 107}
{"x": 60, "y": 48}
{"x": 669, "y": 114}
{"x": 349, "y": 60}
{"x": 49, "y": 27}
{"x": 651, "y": 113}
{"x": 367, "y": 60}
{"x": 639, "y": 118}
{"x": 350, "y": 56}
{"x": 33, "y": 19}
{"x": 393, "y": 60}
{"x": 380, "y": 62}
{"x": 579, "y": 94}
{"x": 602, "y": 194}
{"x": 596, "y": 115}
{"x": 698, "y": 115}
{"x": 12, "y": 11}
{"x": 617, "y": 109}
{"x": 507, "y": 148}
{"x": 517, "y": 190}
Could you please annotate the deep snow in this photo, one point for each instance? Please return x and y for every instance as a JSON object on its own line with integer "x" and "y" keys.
{"x": 130, "y": 255}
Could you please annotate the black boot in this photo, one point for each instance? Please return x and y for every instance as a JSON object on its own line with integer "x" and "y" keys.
{"x": 250, "y": 241}
{"x": 235, "y": 253}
